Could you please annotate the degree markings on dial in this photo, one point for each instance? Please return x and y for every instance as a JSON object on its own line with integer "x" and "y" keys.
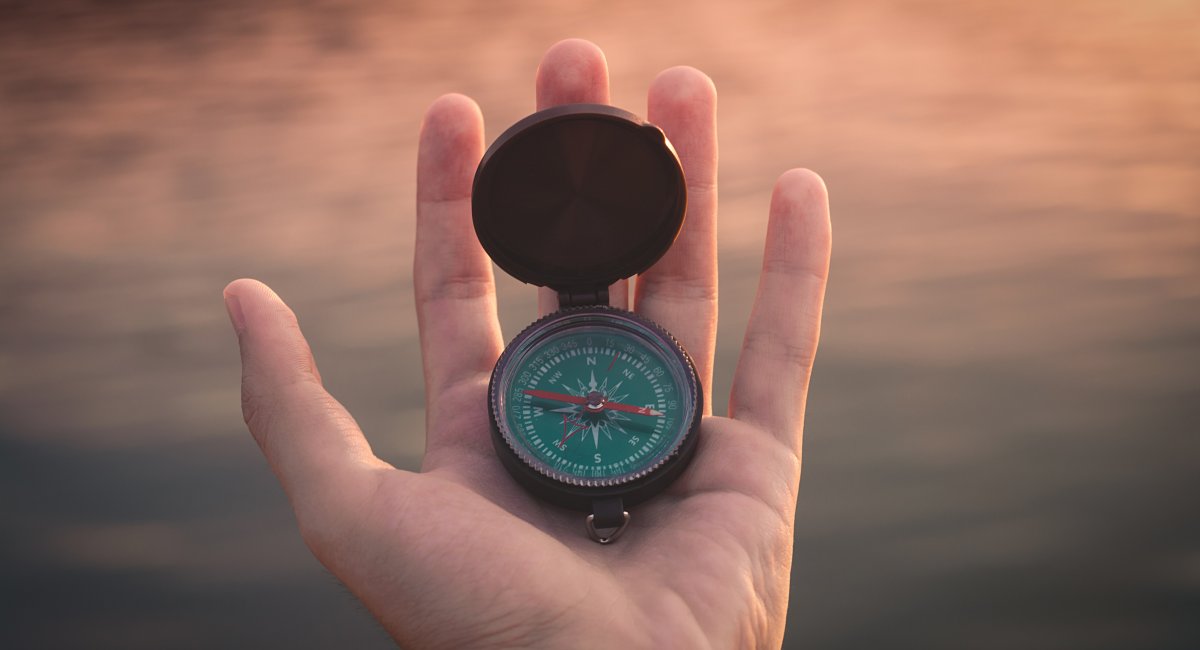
{"x": 631, "y": 455}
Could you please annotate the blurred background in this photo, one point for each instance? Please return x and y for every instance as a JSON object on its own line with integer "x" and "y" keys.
{"x": 1003, "y": 443}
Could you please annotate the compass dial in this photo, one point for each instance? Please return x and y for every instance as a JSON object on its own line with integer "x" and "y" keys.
{"x": 594, "y": 397}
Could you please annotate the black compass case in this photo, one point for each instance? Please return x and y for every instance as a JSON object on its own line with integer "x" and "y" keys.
{"x": 575, "y": 198}
{"x": 578, "y": 196}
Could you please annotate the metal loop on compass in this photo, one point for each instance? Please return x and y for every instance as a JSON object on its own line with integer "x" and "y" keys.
{"x": 611, "y": 536}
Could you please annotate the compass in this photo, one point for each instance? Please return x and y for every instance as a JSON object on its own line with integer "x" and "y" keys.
{"x": 592, "y": 407}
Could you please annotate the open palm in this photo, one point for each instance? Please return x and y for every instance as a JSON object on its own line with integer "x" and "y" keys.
{"x": 459, "y": 556}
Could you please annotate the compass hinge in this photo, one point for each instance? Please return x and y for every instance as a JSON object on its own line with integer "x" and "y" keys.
{"x": 575, "y": 298}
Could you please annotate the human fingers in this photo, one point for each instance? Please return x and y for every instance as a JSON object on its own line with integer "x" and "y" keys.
{"x": 771, "y": 381}
{"x": 313, "y": 445}
{"x": 452, "y": 276}
{"x": 574, "y": 71}
{"x": 680, "y": 291}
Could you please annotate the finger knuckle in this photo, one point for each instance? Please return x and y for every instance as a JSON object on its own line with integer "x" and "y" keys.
{"x": 681, "y": 288}
{"x": 772, "y": 345}
{"x": 455, "y": 287}
{"x": 255, "y": 412}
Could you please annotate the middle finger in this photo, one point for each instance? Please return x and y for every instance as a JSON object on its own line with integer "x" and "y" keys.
{"x": 680, "y": 291}
{"x": 574, "y": 72}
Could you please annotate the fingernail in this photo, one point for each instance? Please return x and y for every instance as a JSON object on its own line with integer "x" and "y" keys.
{"x": 234, "y": 306}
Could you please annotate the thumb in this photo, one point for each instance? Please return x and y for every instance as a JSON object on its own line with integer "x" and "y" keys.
{"x": 312, "y": 443}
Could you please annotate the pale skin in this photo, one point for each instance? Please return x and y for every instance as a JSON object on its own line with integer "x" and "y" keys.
{"x": 458, "y": 555}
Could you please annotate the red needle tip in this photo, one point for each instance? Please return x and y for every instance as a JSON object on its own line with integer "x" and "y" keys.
{"x": 557, "y": 397}
{"x": 629, "y": 408}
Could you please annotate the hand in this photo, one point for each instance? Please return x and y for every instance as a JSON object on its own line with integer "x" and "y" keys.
{"x": 459, "y": 556}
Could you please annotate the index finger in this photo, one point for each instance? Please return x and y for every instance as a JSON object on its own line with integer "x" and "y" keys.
{"x": 452, "y": 276}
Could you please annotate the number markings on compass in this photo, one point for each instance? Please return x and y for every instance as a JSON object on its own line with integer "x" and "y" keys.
{"x": 622, "y": 441}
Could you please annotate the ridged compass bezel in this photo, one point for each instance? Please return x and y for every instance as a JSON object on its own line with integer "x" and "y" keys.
{"x": 579, "y": 486}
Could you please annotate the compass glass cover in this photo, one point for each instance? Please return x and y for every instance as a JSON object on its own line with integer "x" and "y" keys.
{"x": 594, "y": 401}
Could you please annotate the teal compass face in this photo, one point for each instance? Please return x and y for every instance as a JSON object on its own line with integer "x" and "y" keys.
{"x": 594, "y": 398}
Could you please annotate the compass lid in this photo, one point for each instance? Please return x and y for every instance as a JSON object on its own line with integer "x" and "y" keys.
{"x": 578, "y": 196}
